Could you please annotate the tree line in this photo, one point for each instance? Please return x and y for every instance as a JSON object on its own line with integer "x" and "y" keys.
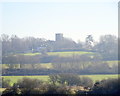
{"x": 81, "y": 64}
{"x": 107, "y": 46}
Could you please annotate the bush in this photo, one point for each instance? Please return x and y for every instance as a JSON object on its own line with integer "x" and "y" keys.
{"x": 109, "y": 86}
{"x": 70, "y": 80}
{"x": 29, "y": 83}
{"x": 86, "y": 82}
{"x": 28, "y": 86}
{"x": 58, "y": 89}
{"x": 13, "y": 91}
{"x": 25, "y": 87}
{"x": 5, "y": 83}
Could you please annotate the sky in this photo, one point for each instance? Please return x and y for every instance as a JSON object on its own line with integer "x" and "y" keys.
{"x": 74, "y": 18}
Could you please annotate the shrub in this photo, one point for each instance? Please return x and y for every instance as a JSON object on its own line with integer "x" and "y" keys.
{"x": 86, "y": 82}
{"x": 24, "y": 87}
{"x": 28, "y": 85}
{"x": 57, "y": 89}
{"x": 71, "y": 79}
{"x": 13, "y": 91}
{"x": 108, "y": 86}
{"x": 68, "y": 79}
{"x": 5, "y": 83}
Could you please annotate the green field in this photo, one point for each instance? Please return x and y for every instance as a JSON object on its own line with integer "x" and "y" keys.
{"x": 30, "y": 54}
{"x": 101, "y": 77}
{"x": 36, "y": 66}
{"x": 69, "y": 53}
{"x": 112, "y": 63}
{"x": 50, "y": 66}
{"x": 14, "y": 79}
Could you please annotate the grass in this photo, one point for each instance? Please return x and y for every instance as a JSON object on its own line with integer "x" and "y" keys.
{"x": 100, "y": 77}
{"x": 70, "y": 53}
{"x": 50, "y": 66}
{"x": 14, "y": 79}
{"x": 44, "y": 65}
{"x": 29, "y": 66}
{"x": 31, "y": 54}
{"x": 113, "y": 62}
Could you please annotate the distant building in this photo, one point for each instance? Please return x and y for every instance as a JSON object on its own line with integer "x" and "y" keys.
{"x": 58, "y": 36}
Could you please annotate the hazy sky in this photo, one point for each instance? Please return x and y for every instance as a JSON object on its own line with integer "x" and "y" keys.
{"x": 75, "y": 19}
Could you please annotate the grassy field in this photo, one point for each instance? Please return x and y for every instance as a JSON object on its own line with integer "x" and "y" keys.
{"x": 14, "y": 79}
{"x": 44, "y": 65}
{"x": 29, "y": 66}
{"x": 69, "y": 53}
{"x": 111, "y": 63}
{"x": 64, "y": 54}
{"x": 101, "y": 77}
{"x": 30, "y": 54}
{"x": 50, "y": 66}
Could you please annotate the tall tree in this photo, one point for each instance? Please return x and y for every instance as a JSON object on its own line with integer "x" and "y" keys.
{"x": 89, "y": 42}
{"x": 108, "y": 47}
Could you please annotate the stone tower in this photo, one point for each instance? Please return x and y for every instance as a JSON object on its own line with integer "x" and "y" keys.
{"x": 58, "y": 36}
